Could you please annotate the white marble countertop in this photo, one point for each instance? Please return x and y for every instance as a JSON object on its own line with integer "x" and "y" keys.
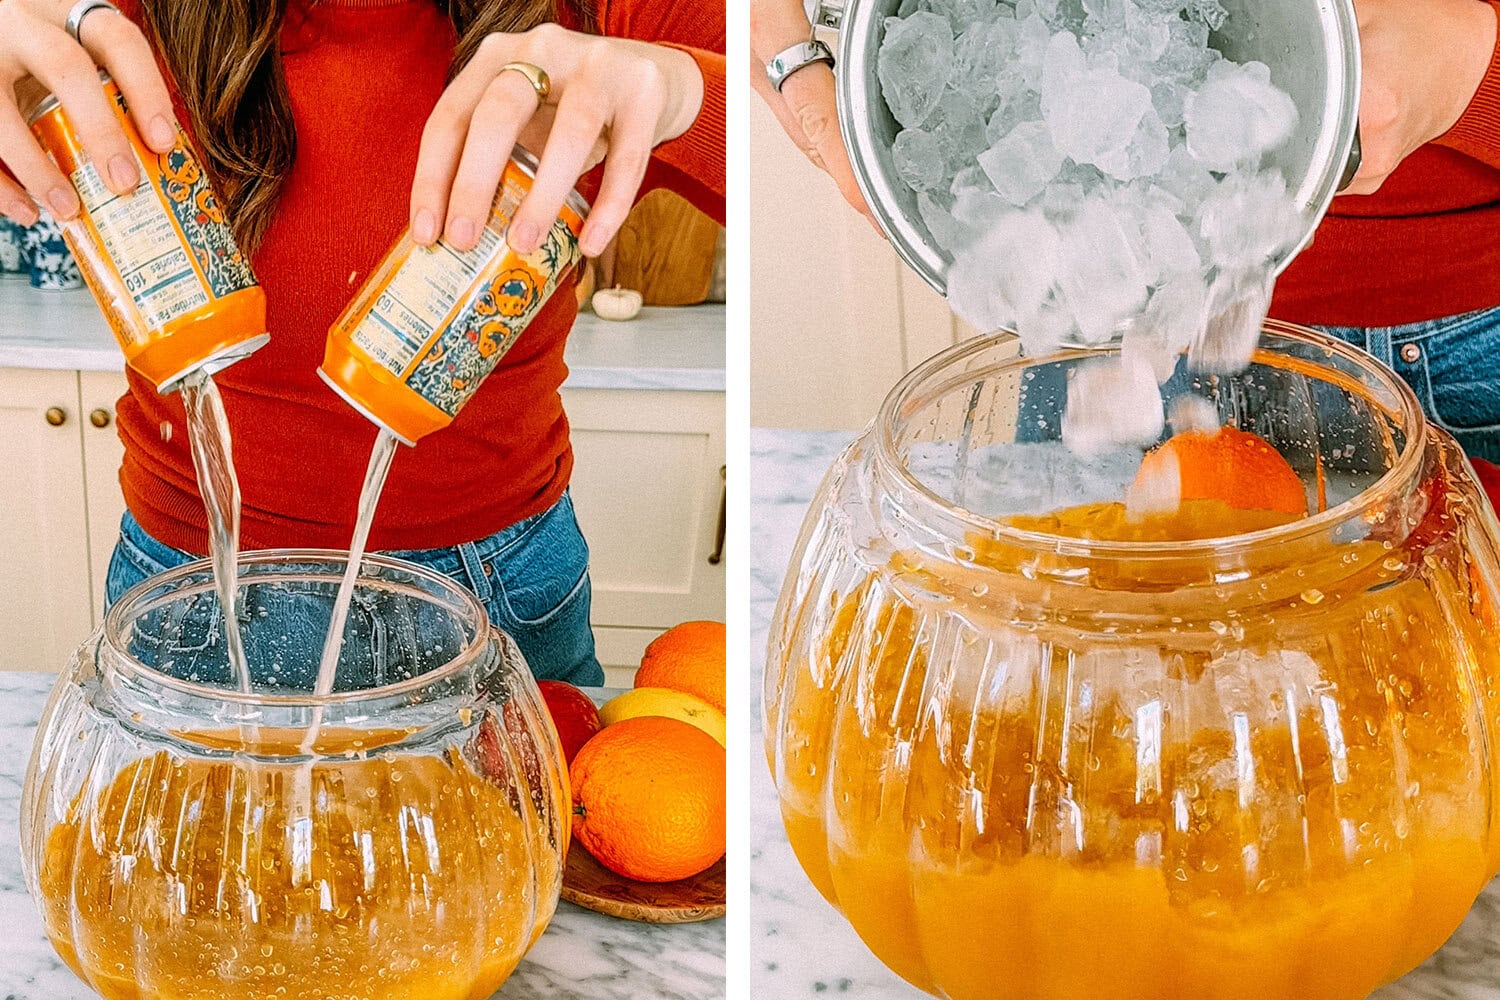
{"x": 800, "y": 947}
{"x": 582, "y": 956}
{"x": 662, "y": 348}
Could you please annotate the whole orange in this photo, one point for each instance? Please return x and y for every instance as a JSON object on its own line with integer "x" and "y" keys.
{"x": 688, "y": 657}
{"x": 648, "y": 799}
{"x": 1239, "y": 468}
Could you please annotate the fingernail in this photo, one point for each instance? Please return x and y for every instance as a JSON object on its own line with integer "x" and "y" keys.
{"x": 592, "y": 244}
{"x": 461, "y": 233}
{"x": 163, "y": 135}
{"x": 63, "y": 201}
{"x": 123, "y": 173}
{"x": 23, "y": 212}
{"x": 424, "y": 227}
{"x": 524, "y": 236}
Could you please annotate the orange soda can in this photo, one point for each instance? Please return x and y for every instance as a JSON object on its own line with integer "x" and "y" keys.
{"x": 430, "y": 323}
{"x": 161, "y": 261}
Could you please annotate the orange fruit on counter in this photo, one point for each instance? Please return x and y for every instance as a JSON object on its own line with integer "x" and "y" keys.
{"x": 689, "y": 657}
{"x": 648, "y": 799}
{"x": 1233, "y": 466}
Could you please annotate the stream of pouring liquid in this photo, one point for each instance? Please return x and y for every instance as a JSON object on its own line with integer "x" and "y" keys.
{"x": 213, "y": 457}
{"x": 369, "y": 497}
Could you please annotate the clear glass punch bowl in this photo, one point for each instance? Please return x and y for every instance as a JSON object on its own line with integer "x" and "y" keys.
{"x": 1025, "y": 763}
{"x": 187, "y": 839}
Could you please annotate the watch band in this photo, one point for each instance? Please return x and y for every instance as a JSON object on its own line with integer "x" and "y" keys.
{"x": 790, "y": 60}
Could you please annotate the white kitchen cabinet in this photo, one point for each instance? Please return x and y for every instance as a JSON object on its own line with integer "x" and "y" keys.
{"x": 648, "y": 483}
{"x": 828, "y": 368}
{"x": 102, "y": 453}
{"x": 45, "y": 606}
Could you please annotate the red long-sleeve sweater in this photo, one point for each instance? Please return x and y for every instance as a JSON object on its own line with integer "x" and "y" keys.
{"x": 363, "y": 75}
{"x": 1426, "y": 245}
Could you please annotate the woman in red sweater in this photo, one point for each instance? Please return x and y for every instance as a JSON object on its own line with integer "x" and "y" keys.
{"x": 1406, "y": 264}
{"x": 328, "y": 126}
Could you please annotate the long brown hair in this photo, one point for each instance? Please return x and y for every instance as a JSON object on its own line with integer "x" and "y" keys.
{"x": 225, "y": 57}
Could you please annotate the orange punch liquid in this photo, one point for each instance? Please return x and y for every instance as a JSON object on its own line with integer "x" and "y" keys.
{"x": 161, "y": 261}
{"x": 431, "y": 322}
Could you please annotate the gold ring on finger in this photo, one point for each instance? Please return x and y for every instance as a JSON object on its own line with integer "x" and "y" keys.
{"x": 535, "y": 75}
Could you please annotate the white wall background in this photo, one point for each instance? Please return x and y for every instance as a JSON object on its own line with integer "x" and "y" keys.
{"x": 835, "y": 317}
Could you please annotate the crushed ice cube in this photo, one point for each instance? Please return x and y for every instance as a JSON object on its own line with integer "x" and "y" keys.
{"x": 1237, "y": 115}
{"x": 919, "y": 159}
{"x": 939, "y": 222}
{"x": 916, "y": 57}
{"x": 1020, "y": 165}
{"x": 1144, "y": 155}
{"x": 1091, "y": 112}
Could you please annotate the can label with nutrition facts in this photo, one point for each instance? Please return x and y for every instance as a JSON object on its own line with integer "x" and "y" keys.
{"x": 431, "y": 322}
{"x": 161, "y": 259}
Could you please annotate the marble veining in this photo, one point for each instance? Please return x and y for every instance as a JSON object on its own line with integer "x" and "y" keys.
{"x": 675, "y": 349}
{"x": 582, "y": 956}
{"x": 800, "y": 947}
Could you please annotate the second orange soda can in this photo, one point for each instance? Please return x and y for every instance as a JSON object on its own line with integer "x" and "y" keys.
{"x": 431, "y": 322}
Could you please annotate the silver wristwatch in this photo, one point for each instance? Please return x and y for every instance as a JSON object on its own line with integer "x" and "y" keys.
{"x": 788, "y": 61}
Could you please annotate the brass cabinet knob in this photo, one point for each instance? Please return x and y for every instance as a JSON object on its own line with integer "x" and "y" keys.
{"x": 57, "y": 416}
{"x": 99, "y": 418}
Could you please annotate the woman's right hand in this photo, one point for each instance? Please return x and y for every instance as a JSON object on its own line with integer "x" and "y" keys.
{"x": 805, "y": 107}
{"x": 37, "y": 52}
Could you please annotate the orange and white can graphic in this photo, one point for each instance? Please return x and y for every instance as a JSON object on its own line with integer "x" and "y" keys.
{"x": 161, "y": 261}
{"x": 431, "y": 322}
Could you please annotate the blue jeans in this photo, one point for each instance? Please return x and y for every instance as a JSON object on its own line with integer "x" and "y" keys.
{"x": 1453, "y": 365}
{"x": 531, "y": 577}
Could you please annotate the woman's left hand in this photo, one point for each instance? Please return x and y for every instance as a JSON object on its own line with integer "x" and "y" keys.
{"x": 1421, "y": 62}
{"x": 611, "y": 100}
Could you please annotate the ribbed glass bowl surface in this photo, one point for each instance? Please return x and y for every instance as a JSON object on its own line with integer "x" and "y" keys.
{"x": 1030, "y": 766}
{"x": 184, "y": 840}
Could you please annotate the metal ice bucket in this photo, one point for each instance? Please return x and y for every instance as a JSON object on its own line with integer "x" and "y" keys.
{"x": 1311, "y": 47}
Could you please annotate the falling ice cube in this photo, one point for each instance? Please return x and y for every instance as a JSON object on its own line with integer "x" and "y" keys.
{"x": 1190, "y": 413}
{"x": 1176, "y": 313}
{"x": 1157, "y": 490}
{"x": 1022, "y": 163}
{"x": 916, "y": 57}
{"x": 1112, "y": 404}
{"x": 1237, "y": 304}
{"x": 1007, "y": 273}
{"x": 1103, "y": 276}
{"x": 1249, "y": 220}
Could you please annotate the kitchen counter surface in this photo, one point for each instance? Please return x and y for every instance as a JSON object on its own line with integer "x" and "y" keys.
{"x": 663, "y": 348}
{"x": 800, "y": 947}
{"x": 582, "y": 956}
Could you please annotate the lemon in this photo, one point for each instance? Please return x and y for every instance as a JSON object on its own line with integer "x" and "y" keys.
{"x": 668, "y": 704}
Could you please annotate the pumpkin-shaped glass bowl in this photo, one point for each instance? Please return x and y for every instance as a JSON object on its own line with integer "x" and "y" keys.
{"x": 1026, "y": 765}
{"x": 400, "y": 837}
